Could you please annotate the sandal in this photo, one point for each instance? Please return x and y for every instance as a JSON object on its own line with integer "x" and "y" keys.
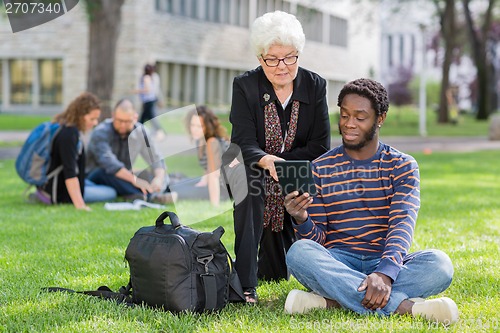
{"x": 251, "y": 297}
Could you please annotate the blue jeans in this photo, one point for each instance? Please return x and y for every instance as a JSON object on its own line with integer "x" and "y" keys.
{"x": 121, "y": 187}
{"x": 187, "y": 190}
{"x": 96, "y": 193}
{"x": 337, "y": 274}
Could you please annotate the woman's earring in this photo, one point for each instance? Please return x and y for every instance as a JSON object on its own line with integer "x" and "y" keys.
{"x": 379, "y": 125}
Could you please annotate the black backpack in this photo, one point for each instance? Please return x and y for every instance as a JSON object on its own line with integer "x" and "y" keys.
{"x": 176, "y": 268}
{"x": 179, "y": 268}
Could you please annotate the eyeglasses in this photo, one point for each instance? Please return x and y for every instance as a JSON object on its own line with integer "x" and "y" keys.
{"x": 123, "y": 121}
{"x": 275, "y": 62}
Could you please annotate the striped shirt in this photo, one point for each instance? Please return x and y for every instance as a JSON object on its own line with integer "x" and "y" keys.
{"x": 368, "y": 207}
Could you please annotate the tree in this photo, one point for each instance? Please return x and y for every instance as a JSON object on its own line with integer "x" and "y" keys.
{"x": 479, "y": 40}
{"x": 104, "y": 30}
{"x": 494, "y": 51}
{"x": 447, "y": 16}
{"x": 446, "y": 12}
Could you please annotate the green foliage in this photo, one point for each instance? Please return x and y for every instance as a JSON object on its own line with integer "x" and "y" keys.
{"x": 432, "y": 88}
{"x": 44, "y": 246}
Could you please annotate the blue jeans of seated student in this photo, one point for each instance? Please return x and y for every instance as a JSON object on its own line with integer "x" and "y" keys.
{"x": 98, "y": 193}
{"x": 187, "y": 189}
{"x": 337, "y": 274}
{"x": 122, "y": 188}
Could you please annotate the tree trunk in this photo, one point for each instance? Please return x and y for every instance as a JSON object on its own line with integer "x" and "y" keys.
{"x": 447, "y": 22}
{"x": 104, "y": 29}
{"x": 478, "y": 42}
{"x": 483, "y": 86}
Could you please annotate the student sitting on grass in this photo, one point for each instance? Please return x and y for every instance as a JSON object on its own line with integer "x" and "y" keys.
{"x": 67, "y": 150}
{"x": 211, "y": 141}
{"x": 111, "y": 157}
{"x": 354, "y": 236}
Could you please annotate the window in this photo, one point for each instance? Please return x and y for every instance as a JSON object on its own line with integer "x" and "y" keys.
{"x": 225, "y": 11}
{"x": 338, "y": 31}
{"x": 283, "y": 6}
{"x": 193, "y": 11}
{"x": 34, "y": 82}
{"x": 184, "y": 84}
{"x": 233, "y": 12}
{"x": 188, "y": 82}
{"x": 211, "y": 85}
{"x": 234, "y": 17}
{"x": 236, "y": 12}
{"x": 164, "y": 6}
{"x": 21, "y": 81}
{"x": 212, "y": 11}
{"x": 50, "y": 82}
{"x": 264, "y": 6}
{"x": 244, "y": 8}
{"x": 312, "y": 23}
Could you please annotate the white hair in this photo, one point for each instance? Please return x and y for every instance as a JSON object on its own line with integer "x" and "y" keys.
{"x": 276, "y": 28}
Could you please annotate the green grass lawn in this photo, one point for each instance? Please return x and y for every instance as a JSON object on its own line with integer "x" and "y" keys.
{"x": 401, "y": 121}
{"x": 12, "y": 122}
{"x": 58, "y": 246}
{"x": 404, "y": 121}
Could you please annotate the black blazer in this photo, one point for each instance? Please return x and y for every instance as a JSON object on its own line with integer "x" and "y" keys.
{"x": 247, "y": 115}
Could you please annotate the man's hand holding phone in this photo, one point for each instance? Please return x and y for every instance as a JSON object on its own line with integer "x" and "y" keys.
{"x": 296, "y": 205}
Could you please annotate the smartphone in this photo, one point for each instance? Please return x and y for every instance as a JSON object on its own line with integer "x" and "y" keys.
{"x": 296, "y": 176}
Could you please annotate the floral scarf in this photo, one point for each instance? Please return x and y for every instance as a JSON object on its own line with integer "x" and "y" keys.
{"x": 274, "y": 202}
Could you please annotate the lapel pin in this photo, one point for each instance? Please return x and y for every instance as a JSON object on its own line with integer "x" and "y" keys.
{"x": 266, "y": 97}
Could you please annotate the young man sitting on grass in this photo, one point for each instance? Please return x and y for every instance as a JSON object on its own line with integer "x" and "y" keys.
{"x": 354, "y": 236}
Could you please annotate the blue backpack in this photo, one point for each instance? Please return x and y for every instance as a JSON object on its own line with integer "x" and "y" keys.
{"x": 33, "y": 162}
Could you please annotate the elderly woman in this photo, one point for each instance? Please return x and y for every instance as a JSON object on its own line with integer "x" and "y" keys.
{"x": 279, "y": 112}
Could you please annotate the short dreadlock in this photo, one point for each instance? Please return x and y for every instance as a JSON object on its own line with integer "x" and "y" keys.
{"x": 370, "y": 89}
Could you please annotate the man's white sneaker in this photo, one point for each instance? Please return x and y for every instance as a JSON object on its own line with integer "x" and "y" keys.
{"x": 417, "y": 299}
{"x": 442, "y": 310}
{"x": 299, "y": 301}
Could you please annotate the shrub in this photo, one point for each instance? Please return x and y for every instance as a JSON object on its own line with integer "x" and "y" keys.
{"x": 399, "y": 91}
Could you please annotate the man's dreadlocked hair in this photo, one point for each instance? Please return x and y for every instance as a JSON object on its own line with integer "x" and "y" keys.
{"x": 370, "y": 89}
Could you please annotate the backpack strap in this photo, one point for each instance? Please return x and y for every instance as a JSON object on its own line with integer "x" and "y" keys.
{"x": 54, "y": 174}
{"x": 209, "y": 283}
{"x": 53, "y": 195}
{"x": 123, "y": 296}
{"x": 210, "y": 288}
{"x": 148, "y": 145}
{"x": 106, "y": 293}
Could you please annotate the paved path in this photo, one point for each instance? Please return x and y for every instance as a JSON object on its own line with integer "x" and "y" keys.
{"x": 175, "y": 143}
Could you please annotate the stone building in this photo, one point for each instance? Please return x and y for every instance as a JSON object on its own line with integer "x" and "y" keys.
{"x": 198, "y": 45}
